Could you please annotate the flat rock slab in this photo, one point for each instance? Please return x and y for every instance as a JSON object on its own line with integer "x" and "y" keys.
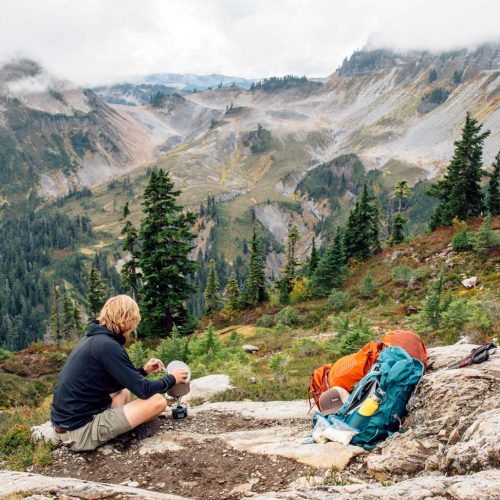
{"x": 271, "y": 410}
{"x": 37, "y": 484}
{"x": 484, "y": 485}
{"x": 288, "y": 443}
{"x": 284, "y": 441}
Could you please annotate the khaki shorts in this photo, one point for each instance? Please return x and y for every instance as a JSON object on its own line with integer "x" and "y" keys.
{"x": 104, "y": 426}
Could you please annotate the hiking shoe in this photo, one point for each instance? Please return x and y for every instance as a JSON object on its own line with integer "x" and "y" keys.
{"x": 147, "y": 429}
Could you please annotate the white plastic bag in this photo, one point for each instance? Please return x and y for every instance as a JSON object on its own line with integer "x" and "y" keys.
{"x": 339, "y": 432}
{"x": 321, "y": 425}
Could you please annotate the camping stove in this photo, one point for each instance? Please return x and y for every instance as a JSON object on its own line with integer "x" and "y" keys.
{"x": 179, "y": 411}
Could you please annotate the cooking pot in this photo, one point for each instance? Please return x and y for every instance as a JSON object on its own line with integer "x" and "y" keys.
{"x": 179, "y": 390}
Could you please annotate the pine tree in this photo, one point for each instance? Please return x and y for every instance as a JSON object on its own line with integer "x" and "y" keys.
{"x": 255, "y": 292}
{"x": 96, "y": 292}
{"x": 397, "y": 229}
{"x": 361, "y": 238}
{"x": 232, "y": 293}
{"x": 313, "y": 259}
{"x": 130, "y": 274}
{"x": 494, "y": 188}
{"x": 213, "y": 298}
{"x": 55, "y": 316}
{"x": 332, "y": 269}
{"x": 288, "y": 272}
{"x": 435, "y": 304}
{"x": 67, "y": 329}
{"x": 166, "y": 242}
{"x": 460, "y": 190}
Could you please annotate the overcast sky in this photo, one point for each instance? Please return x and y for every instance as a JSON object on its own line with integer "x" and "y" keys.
{"x": 94, "y": 41}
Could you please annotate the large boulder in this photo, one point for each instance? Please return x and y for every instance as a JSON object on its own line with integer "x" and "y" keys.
{"x": 204, "y": 388}
{"x": 448, "y": 428}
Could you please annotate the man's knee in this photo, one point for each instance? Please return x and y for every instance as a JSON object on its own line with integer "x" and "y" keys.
{"x": 158, "y": 403}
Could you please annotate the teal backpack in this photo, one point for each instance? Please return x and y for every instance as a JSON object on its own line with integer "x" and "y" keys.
{"x": 397, "y": 374}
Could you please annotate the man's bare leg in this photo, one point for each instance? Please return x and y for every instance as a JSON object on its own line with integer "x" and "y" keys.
{"x": 120, "y": 398}
{"x": 144, "y": 410}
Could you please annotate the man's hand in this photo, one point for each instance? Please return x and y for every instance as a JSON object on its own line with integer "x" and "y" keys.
{"x": 180, "y": 375}
{"x": 154, "y": 366}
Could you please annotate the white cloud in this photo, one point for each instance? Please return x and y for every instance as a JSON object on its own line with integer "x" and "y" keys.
{"x": 94, "y": 41}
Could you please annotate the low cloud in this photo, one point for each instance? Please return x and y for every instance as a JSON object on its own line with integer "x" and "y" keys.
{"x": 96, "y": 42}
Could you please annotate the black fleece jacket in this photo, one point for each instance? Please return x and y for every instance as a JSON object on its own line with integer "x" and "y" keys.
{"x": 98, "y": 366}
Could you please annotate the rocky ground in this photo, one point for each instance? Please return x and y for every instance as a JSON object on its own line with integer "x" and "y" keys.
{"x": 231, "y": 450}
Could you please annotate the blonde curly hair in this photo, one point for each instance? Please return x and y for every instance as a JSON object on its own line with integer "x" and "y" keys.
{"x": 120, "y": 314}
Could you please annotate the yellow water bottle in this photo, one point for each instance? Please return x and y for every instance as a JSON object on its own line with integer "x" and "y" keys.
{"x": 366, "y": 410}
{"x": 370, "y": 405}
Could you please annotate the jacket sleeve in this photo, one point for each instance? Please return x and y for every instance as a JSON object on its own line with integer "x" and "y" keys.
{"x": 114, "y": 359}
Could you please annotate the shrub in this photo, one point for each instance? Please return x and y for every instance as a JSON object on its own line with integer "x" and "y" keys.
{"x": 367, "y": 287}
{"x": 138, "y": 354}
{"x": 485, "y": 239}
{"x": 339, "y": 300}
{"x": 350, "y": 337}
{"x": 306, "y": 347}
{"x": 4, "y": 354}
{"x": 288, "y": 316}
{"x": 265, "y": 321}
{"x": 461, "y": 242}
{"x": 300, "y": 291}
{"x": 402, "y": 274}
{"x": 172, "y": 348}
{"x": 14, "y": 438}
{"x": 277, "y": 365}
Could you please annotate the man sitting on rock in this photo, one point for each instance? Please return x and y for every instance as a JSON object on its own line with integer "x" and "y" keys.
{"x": 92, "y": 394}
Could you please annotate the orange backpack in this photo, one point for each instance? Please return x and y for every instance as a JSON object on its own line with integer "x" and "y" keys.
{"x": 318, "y": 383}
{"x": 410, "y": 342}
{"x": 345, "y": 372}
{"x": 349, "y": 370}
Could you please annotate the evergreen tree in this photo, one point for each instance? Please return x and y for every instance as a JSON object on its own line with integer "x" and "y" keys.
{"x": 288, "y": 272}
{"x": 361, "y": 238}
{"x": 213, "y": 298}
{"x": 55, "y": 316}
{"x": 332, "y": 269}
{"x": 397, "y": 229}
{"x": 255, "y": 292}
{"x": 460, "y": 190}
{"x": 96, "y": 292}
{"x": 166, "y": 240}
{"x": 232, "y": 293}
{"x": 435, "y": 304}
{"x": 130, "y": 274}
{"x": 313, "y": 259}
{"x": 494, "y": 188}
{"x": 400, "y": 192}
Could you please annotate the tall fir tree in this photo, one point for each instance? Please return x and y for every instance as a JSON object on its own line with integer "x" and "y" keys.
{"x": 166, "y": 242}
{"x": 400, "y": 192}
{"x": 361, "y": 237}
{"x": 313, "y": 259}
{"x": 255, "y": 292}
{"x": 130, "y": 274}
{"x": 213, "y": 297}
{"x": 332, "y": 269}
{"x": 96, "y": 292}
{"x": 460, "y": 189}
{"x": 56, "y": 316}
{"x": 289, "y": 270}
{"x": 232, "y": 294}
{"x": 494, "y": 188}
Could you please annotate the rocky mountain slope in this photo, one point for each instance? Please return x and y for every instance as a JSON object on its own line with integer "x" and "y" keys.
{"x": 54, "y": 135}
